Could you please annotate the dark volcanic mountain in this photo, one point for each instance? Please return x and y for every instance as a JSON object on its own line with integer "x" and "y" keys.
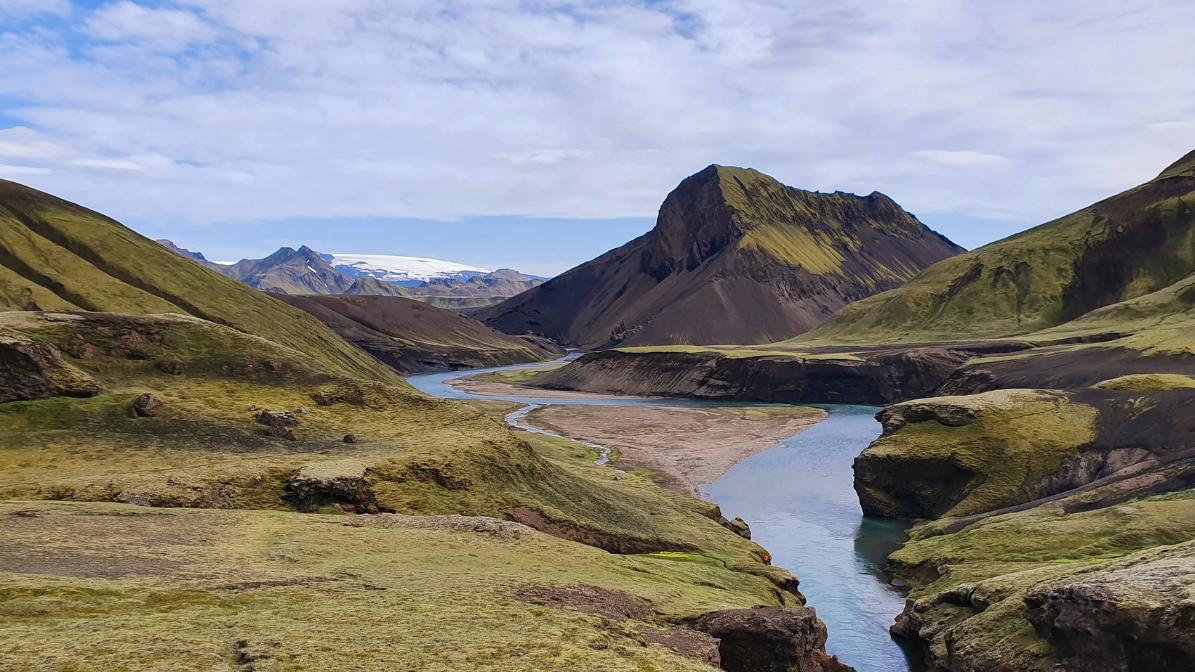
{"x": 735, "y": 257}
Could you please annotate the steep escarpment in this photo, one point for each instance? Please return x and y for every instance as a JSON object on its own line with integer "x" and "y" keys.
{"x": 412, "y": 336}
{"x": 1121, "y": 248}
{"x": 879, "y": 376}
{"x": 735, "y": 257}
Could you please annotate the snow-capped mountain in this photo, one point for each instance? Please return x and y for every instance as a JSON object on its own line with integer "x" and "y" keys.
{"x": 412, "y": 271}
{"x": 305, "y": 271}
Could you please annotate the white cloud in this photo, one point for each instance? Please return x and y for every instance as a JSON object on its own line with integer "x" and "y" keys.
{"x": 166, "y": 28}
{"x": 25, "y": 143}
{"x": 106, "y": 164}
{"x": 960, "y": 158}
{"x": 443, "y": 108}
{"x": 7, "y": 170}
{"x": 23, "y": 9}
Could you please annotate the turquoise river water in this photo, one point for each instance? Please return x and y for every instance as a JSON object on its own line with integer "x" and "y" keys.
{"x": 800, "y": 503}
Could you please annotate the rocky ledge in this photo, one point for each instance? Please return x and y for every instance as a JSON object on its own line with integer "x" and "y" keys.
{"x": 870, "y": 376}
{"x": 769, "y": 639}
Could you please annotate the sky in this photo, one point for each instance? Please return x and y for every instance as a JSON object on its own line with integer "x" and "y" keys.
{"x": 537, "y": 134}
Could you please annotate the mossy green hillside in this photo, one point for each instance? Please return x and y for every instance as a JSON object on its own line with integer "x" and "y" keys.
{"x": 812, "y": 231}
{"x": 55, "y": 255}
{"x": 204, "y": 447}
{"x": 1119, "y": 249}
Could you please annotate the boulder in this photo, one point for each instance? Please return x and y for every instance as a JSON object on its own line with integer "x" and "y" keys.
{"x": 277, "y": 418}
{"x": 338, "y": 482}
{"x": 768, "y": 639}
{"x": 350, "y": 438}
{"x": 145, "y": 406}
{"x": 738, "y": 526}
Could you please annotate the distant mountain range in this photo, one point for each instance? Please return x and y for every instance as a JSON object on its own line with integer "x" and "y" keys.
{"x": 735, "y": 257}
{"x": 442, "y": 283}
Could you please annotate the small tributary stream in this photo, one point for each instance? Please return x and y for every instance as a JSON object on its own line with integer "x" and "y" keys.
{"x": 800, "y": 503}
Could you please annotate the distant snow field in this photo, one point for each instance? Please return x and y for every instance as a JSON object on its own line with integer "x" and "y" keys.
{"x": 390, "y": 268}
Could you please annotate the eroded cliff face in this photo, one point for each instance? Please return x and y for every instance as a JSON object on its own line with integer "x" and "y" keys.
{"x": 735, "y": 257}
{"x": 1063, "y": 524}
{"x": 880, "y": 376}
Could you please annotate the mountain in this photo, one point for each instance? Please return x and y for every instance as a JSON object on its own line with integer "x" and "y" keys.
{"x": 56, "y": 256}
{"x": 735, "y": 257}
{"x": 289, "y": 271}
{"x": 304, "y": 271}
{"x": 1123, "y": 247}
{"x": 193, "y": 256}
{"x": 412, "y": 336}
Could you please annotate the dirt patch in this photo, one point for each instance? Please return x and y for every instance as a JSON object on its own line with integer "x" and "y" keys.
{"x": 64, "y": 563}
{"x": 613, "y": 604}
{"x": 686, "y": 642}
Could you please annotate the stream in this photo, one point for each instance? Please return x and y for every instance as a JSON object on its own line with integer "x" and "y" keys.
{"x": 799, "y": 499}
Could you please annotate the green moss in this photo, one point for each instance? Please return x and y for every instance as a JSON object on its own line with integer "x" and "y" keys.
{"x": 121, "y": 587}
{"x": 1026, "y": 283}
{"x": 1148, "y": 382}
{"x": 1017, "y": 438}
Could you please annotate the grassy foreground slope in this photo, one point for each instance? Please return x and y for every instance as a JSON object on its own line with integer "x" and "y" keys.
{"x": 55, "y": 255}
{"x": 122, "y": 587}
{"x": 1124, "y": 247}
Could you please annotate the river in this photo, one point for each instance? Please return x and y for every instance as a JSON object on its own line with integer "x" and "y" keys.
{"x": 800, "y": 503}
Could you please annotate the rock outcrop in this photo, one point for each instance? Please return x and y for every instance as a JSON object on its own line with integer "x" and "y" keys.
{"x": 340, "y": 483}
{"x": 769, "y": 639}
{"x": 735, "y": 257}
{"x": 30, "y": 370}
{"x": 1134, "y": 614}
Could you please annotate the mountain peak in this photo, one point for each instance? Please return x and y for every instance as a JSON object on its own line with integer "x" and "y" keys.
{"x": 735, "y": 257}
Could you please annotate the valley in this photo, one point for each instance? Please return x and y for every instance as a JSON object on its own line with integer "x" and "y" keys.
{"x": 1023, "y": 486}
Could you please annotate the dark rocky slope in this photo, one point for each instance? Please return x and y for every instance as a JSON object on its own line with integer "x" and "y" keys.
{"x": 412, "y": 336}
{"x": 735, "y": 257}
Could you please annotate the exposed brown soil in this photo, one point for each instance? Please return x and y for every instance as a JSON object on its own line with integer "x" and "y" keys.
{"x": 612, "y": 604}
